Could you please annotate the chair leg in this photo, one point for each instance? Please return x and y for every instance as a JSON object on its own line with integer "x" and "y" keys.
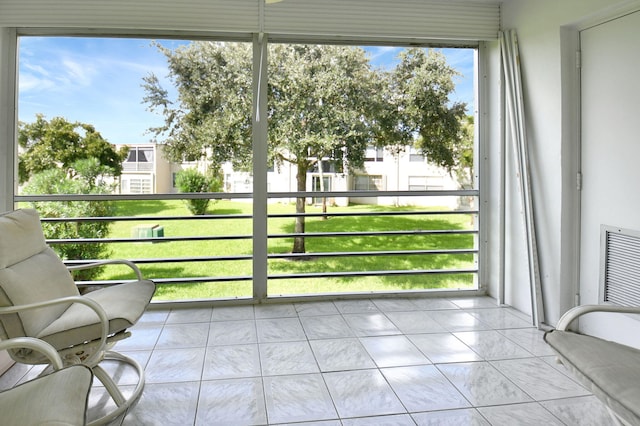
{"x": 122, "y": 403}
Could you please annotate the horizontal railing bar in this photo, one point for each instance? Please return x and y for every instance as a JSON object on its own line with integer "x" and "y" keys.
{"x": 146, "y": 240}
{"x": 246, "y": 237}
{"x": 248, "y": 216}
{"x": 375, "y": 233}
{"x": 372, "y": 253}
{"x": 374, "y": 273}
{"x": 369, "y": 194}
{"x": 189, "y": 280}
{"x": 398, "y": 213}
{"x": 288, "y": 256}
{"x": 245, "y": 195}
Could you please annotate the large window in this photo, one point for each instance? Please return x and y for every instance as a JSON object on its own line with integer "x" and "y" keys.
{"x": 335, "y": 118}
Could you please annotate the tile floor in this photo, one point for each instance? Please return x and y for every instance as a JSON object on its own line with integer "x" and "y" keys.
{"x": 351, "y": 362}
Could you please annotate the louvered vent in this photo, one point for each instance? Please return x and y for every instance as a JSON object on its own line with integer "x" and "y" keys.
{"x": 620, "y": 266}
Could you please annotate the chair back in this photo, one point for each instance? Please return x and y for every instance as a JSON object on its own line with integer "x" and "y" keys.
{"x": 30, "y": 272}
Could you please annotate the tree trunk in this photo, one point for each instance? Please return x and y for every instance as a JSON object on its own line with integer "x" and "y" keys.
{"x": 301, "y": 178}
{"x": 324, "y": 199}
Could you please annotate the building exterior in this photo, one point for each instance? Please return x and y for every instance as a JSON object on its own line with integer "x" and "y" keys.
{"x": 146, "y": 171}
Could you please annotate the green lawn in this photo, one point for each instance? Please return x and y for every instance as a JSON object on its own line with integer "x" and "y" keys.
{"x": 242, "y": 268}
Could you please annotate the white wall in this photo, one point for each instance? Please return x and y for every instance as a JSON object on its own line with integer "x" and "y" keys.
{"x": 546, "y": 32}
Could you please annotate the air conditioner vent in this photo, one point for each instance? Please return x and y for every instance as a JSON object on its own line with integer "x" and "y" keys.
{"x": 620, "y": 266}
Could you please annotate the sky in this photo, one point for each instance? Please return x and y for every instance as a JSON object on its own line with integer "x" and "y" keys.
{"x": 98, "y": 81}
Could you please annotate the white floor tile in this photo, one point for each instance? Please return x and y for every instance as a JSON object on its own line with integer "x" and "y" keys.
{"x": 538, "y": 379}
{"x": 285, "y": 358}
{"x": 490, "y": 345}
{"x": 362, "y": 393}
{"x": 231, "y": 402}
{"x": 298, "y": 398}
{"x": 232, "y": 332}
{"x": 231, "y": 362}
{"x": 341, "y": 354}
{"x": 530, "y": 414}
{"x": 464, "y": 417}
{"x": 326, "y": 327}
{"x": 279, "y": 330}
{"x": 424, "y": 388}
{"x": 393, "y": 351}
{"x": 583, "y": 411}
{"x": 482, "y": 384}
{"x": 443, "y": 347}
{"x": 415, "y": 322}
{"x": 165, "y": 404}
{"x": 371, "y": 324}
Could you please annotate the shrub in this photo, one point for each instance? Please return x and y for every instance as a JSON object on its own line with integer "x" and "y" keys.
{"x": 56, "y": 181}
{"x": 192, "y": 181}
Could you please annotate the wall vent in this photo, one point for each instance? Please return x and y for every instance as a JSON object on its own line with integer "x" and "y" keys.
{"x": 620, "y": 266}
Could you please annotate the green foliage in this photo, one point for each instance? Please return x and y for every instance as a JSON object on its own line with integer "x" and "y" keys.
{"x": 324, "y": 101}
{"x": 191, "y": 180}
{"x": 56, "y": 181}
{"x": 59, "y": 144}
{"x": 418, "y": 104}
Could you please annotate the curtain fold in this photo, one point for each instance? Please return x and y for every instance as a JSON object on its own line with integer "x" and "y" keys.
{"x": 516, "y": 132}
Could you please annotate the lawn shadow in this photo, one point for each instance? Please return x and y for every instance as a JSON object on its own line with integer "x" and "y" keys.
{"x": 141, "y": 207}
{"x": 365, "y": 244}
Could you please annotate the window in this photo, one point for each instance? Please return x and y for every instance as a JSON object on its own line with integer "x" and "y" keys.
{"x": 332, "y": 118}
{"x": 374, "y": 154}
{"x": 415, "y": 156}
{"x": 425, "y": 183}
{"x": 368, "y": 183}
{"x": 136, "y": 186}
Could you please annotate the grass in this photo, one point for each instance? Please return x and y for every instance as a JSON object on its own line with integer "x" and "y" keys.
{"x": 243, "y": 268}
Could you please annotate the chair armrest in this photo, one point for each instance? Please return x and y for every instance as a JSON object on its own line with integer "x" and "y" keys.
{"x": 95, "y": 306}
{"x": 573, "y": 313}
{"x": 129, "y": 263}
{"x": 36, "y": 345}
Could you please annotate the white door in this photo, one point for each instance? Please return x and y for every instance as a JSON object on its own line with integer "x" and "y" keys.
{"x": 610, "y": 151}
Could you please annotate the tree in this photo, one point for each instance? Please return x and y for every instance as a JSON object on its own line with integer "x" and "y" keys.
{"x": 324, "y": 102}
{"x": 59, "y": 144}
{"x": 321, "y": 104}
{"x": 191, "y": 180}
{"x": 418, "y": 110}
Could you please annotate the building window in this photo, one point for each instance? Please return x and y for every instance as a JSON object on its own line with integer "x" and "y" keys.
{"x": 368, "y": 183}
{"x": 425, "y": 183}
{"x": 415, "y": 155}
{"x": 374, "y": 154}
{"x": 137, "y": 186}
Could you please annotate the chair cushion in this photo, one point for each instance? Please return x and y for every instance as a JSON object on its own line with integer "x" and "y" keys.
{"x": 29, "y": 272}
{"x": 57, "y": 399}
{"x": 123, "y": 303}
{"x": 610, "y": 370}
{"x": 22, "y": 236}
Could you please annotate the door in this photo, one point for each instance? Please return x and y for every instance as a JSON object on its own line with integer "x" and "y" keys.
{"x": 610, "y": 140}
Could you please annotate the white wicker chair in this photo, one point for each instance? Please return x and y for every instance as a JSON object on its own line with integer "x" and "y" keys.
{"x": 59, "y": 398}
{"x": 38, "y": 298}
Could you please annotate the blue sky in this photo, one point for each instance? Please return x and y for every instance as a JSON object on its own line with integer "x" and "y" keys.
{"x": 98, "y": 81}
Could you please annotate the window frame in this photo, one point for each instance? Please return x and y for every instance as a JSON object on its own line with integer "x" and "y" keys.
{"x": 8, "y": 91}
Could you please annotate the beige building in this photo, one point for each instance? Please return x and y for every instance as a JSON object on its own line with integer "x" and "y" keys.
{"x": 146, "y": 171}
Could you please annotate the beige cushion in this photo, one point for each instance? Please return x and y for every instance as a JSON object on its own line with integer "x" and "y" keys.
{"x": 610, "y": 370}
{"x": 57, "y": 399}
{"x": 124, "y": 305}
{"x": 30, "y": 272}
{"x": 22, "y": 236}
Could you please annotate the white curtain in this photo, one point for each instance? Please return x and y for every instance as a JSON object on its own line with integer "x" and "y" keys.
{"x": 516, "y": 132}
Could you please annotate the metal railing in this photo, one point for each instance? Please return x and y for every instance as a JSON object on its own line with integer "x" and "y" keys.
{"x": 469, "y": 250}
